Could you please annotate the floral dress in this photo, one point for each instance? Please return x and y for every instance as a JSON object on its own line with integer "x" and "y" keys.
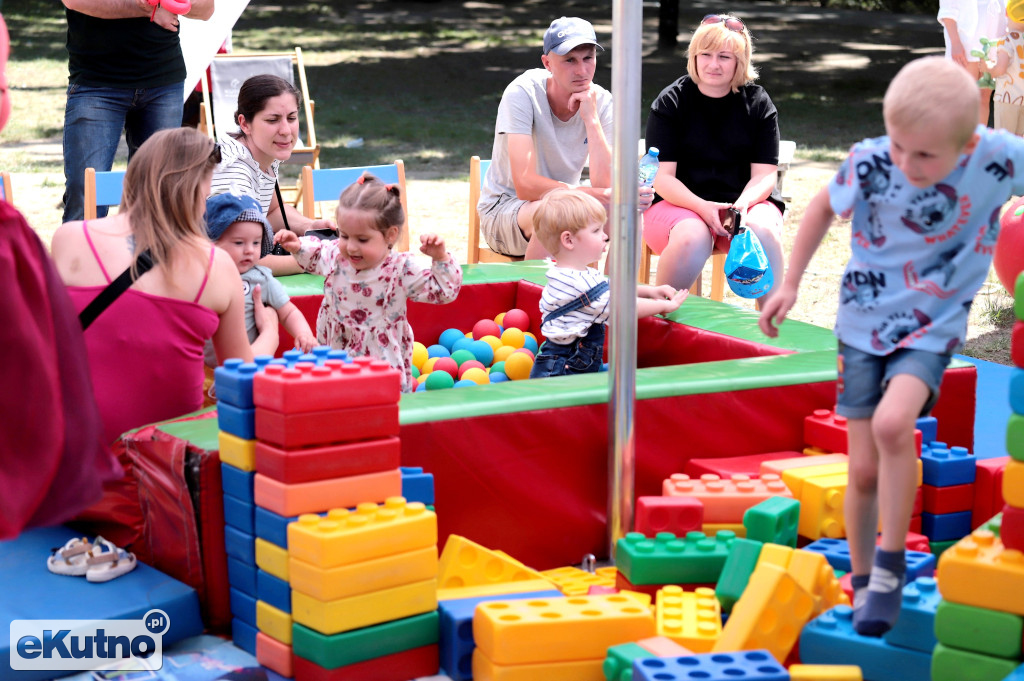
{"x": 365, "y": 312}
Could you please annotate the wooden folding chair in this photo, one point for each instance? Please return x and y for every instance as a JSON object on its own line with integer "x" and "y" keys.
{"x": 6, "y": 191}
{"x": 478, "y": 253}
{"x": 326, "y": 184}
{"x": 102, "y": 188}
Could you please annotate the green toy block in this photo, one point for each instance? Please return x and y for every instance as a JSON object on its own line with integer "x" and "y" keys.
{"x": 736, "y": 572}
{"x": 359, "y": 645}
{"x": 1015, "y": 437}
{"x": 667, "y": 559}
{"x": 773, "y": 521}
{"x": 618, "y": 666}
{"x": 938, "y": 547}
{"x": 994, "y": 524}
{"x": 977, "y": 630}
{"x": 953, "y": 664}
{"x": 1018, "y": 297}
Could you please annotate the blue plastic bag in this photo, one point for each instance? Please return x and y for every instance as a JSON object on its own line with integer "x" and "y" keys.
{"x": 746, "y": 266}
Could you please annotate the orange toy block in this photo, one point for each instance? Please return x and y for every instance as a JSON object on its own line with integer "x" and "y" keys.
{"x": 335, "y": 385}
{"x": 769, "y": 615}
{"x": 466, "y": 563}
{"x": 321, "y": 495}
{"x": 1013, "y": 483}
{"x": 558, "y": 629}
{"x": 485, "y": 669}
{"x": 811, "y": 571}
{"x": 821, "y": 507}
{"x": 779, "y": 466}
{"x": 345, "y": 537}
{"x": 980, "y": 571}
{"x": 725, "y": 501}
{"x": 356, "y": 612}
{"x": 328, "y": 584}
{"x": 824, "y": 672}
{"x": 692, "y": 619}
{"x": 663, "y": 646}
{"x": 573, "y": 581}
{"x": 274, "y": 655}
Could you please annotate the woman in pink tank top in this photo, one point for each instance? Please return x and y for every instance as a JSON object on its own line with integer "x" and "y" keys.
{"x": 146, "y": 349}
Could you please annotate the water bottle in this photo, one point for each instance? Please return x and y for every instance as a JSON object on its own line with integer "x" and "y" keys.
{"x": 649, "y": 167}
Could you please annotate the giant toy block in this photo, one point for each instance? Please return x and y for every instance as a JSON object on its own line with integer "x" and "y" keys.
{"x": 915, "y": 627}
{"x": 837, "y": 552}
{"x": 366, "y": 609}
{"x": 821, "y": 506}
{"x": 945, "y": 466}
{"x": 979, "y": 571}
{"x": 318, "y": 495}
{"x": 751, "y": 665}
{"x": 773, "y": 520}
{"x": 466, "y": 563}
{"x": 725, "y": 501}
{"x": 726, "y": 467}
{"x": 328, "y": 584}
{"x": 979, "y": 630}
{"x": 618, "y": 665}
{"x": 988, "y": 489}
{"x": 667, "y": 559}
{"x": 824, "y": 672}
{"x": 736, "y": 571}
{"x": 797, "y": 460}
{"x": 328, "y": 461}
{"x": 335, "y": 385}
{"x": 414, "y": 662}
{"x": 951, "y": 664}
{"x": 810, "y": 571}
{"x": 572, "y": 581}
{"x": 675, "y": 514}
{"x": 352, "y": 647}
{"x": 691, "y": 619}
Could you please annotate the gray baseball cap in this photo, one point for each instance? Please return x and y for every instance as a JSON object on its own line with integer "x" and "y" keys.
{"x": 566, "y": 33}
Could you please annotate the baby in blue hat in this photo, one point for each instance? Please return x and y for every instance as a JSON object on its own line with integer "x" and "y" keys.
{"x": 237, "y": 225}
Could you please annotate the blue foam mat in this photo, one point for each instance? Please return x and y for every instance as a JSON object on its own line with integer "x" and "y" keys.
{"x": 992, "y": 412}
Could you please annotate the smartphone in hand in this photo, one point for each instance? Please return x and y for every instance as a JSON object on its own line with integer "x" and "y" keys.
{"x": 732, "y": 221}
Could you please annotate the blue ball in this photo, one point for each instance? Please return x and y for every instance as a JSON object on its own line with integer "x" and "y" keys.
{"x": 462, "y": 343}
{"x": 498, "y": 377}
{"x": 530, "y": 344}
{"x": 449, "y": 336}
{"x": 483, "y": 352}
{"x": 604, "y": 367}
{"x": 421, "y": 388}
{"x": 438, "y": 351}
{"x": 465, "y": 383}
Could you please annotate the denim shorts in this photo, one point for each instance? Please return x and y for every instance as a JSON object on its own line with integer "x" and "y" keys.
{"x": 863, "y": 378}
{"x": 584, "y": 356}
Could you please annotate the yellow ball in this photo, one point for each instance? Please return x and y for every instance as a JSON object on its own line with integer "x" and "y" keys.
{"x": 500, "y": 319}
{"x": 518, "y": 365}
{"x": 477, "y": 375}
{"x": 422, "y": 378}
{"x": 419, "y": 355}
{"x": 502, "y": 353}
{"x": 493, "y": 341}
{"x": 513, "y": 337}
{"x": 530, "y": 334}
{"x": 428, "y": 365}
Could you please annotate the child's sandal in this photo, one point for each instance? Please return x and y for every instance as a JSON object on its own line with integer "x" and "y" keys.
{"x": 108, "y": 562}
{"x": 71, "y": 559}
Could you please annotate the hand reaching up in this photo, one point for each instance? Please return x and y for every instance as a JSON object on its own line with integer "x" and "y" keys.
{"x": 433, "y": 245}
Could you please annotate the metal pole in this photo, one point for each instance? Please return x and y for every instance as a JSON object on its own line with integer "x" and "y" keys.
{"x": 627, "y": 33}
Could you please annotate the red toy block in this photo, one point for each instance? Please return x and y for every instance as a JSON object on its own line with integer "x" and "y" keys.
{"x": 827, "y": 430}
{"x": 1017, "y": 344}
{"x": 274, "y": 655}
{"x": 915, "y": 524}
{"x": 725, "y": 501}
{"x": 726, "y": 467}
{"x": 988, "y": 489}
{"x": 844, "y": 582}
{"x": 316, "y": 428}
{"x": 915, "y": 542}
{"x": 335, "y": 385}
{"x": 949, "y": 499}
{"x": 330, "y": 461}
{"x": 601, "y": 590}
{"x": 918, "y": 502}
{"x": 408, "y": 664}
{"x": 323, "y": 495}
{"x": 677, "y": 515}
{"x": 1011, "y": 530}
{"x": 800, "y": 461}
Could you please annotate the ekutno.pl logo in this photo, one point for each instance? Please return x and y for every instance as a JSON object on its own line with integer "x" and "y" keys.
{"x": 86, "y": 645}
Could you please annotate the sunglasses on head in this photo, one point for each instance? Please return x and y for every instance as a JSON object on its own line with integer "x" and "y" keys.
{"x": 731, "y": 23}
{"x": 215, "y": 154}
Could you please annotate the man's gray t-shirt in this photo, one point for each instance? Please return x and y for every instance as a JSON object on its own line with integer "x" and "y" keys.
{"x": 273, "y": 294}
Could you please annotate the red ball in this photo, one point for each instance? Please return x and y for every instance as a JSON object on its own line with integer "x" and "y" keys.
{"x": 1009, "y": 256}
{"x": 485, "y": 327}
{"x": 525, "y": 351}
{"x": 447, "y": 365}
{"x": 517, "y": 319}
{"x": 469, "y": 364}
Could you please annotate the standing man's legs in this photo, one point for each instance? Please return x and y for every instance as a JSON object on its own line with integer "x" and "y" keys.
{"x": 152, "y": 110}
{"x": 93, "y": 120}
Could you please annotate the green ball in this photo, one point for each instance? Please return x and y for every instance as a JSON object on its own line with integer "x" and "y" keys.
{"x": 415, "y": 372}
{"x": 461, "y": 356}
{"x": 498, "y": 367}
{"x": 439, "y": 380}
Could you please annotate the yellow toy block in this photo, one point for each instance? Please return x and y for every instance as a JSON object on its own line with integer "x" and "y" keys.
{"x": 328, "y": 584}
{"x": 816, "y": 451}
{"x": 466, "y": 563}
{"x": 825, "y": 672}
{"x": 355, "y": 612}
{"x": 575, "y": 670}
{"x": 690, "y": 618}
{"x": 608, "y": 572}
{"x": 497, "y": 590}
{"x": 821, "y": 507}
{"x": 638, "y": 596}
{"x": 236, "y": 451}
{"x": 770, "y": 614}
{"x": 1013, "y": 483}
{"x": 275, "y": 623}
{"x": 370, "y": 531}
{"x": 540, "y": 630}
{"x": 795, "y": 477}
{"x": 811, "y": 571}
{"x": 978, "y": 570}
{"x": 271, "y": 558}
{"x": 776, "y": 554}
{"x": 573, "y": 581}
{"x": 711, "y": 529}
{"x": 777, "y": 466}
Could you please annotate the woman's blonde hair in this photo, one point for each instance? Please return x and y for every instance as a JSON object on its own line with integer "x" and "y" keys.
{"x": 717, "y": 36}
{"x": 164, "y": 193}
{"x": 933, "y": 92}
{"x": 565, "y": 210}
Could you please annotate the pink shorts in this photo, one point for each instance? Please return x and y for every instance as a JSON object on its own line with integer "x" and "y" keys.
{"x": 660, "y": 218}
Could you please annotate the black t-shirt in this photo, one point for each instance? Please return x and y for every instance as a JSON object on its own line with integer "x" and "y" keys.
{"x": 122, "y": 53}
{"x": 713, "y": 140}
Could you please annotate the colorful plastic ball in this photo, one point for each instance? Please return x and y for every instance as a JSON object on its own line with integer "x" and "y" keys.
{"x": 498, "y": 377}
{"x": 462, "y": 355}
{"x": 497, "y": 367}
{"x": 526, "y": 352}
{"x": 421, "y": 388}
{"x": 518, "y": 365}
{"x": 464, "y": 384}
{"x": 500, "y": 319}
{"x": 483, "y": 352}
{"x": 513, "y": 337}
{"x": 530, "y": 343}
{"x": 439, "y": 380}
{"x": 428, "y": 366}
{"x": 419, "y": 354}
{"x": 415, "y": 372}
{"x": 517, "y": 319}
{"x": 471, "y": 364}
{"x": 461, "y": 344}
{"x": 422, "y": 378}
{"x": 438, "y": 351}
{"x": 493, "y": 341}
{"x": 486, "y": 327}
{"x": 447, "y": 365}
{"x": 1008, "y": 260}
{"x": 478, "y": 375}
{"x": 502, "y": 353}
{"x": 449, "y": 336}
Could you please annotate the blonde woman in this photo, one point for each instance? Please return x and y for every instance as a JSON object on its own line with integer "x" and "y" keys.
{"x": 718, "y": 134}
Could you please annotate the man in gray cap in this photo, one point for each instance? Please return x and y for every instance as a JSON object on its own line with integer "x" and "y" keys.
{"x": 549, "y": 121}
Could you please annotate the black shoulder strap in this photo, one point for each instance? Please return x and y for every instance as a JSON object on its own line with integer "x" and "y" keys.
{"x": 280, "y": 205}
{"x": 114, "y": 289}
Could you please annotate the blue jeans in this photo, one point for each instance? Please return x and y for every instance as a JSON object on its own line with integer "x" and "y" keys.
{"x": 93, "y": 120}
{"x": 584, "y": 356}
{"x": 863, "y": 378}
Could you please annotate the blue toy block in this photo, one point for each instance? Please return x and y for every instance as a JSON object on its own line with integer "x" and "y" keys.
{"x": 291, "y": 356}
{"x": 239, "y": 514}
{"x": 233, "y": 383}
{"x": 237, "y": 421}
{"x": 273, "y": 591}
{"x": 943, "y": 467}
{"x": 243, "y": 635}
{"x": 240, "y": 545}
{"x": 272, "y": 527}
{"x": 929, "y": 427}
{"x": 456, "y": 643}
{"x": 1017, "y": 391}
{"x": 237, "y": 483}
{"x": 831, "y": 639}
{"x": 749, "y": 665}
{"x": 915, "y": 628}
{"x": 837, "y": 553}
{"x": 946, "y": 526}
{"x": 417, "y": 485}
{"x": 243, "y": 607}
{"x": 1017, "y": 675}
{"x": 242, "y": 576}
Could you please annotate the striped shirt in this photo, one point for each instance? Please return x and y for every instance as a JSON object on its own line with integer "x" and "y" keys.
{"x": 564, "y": 286}
{"x": 239, "y": 173}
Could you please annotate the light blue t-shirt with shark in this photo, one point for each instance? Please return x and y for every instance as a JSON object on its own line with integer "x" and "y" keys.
{"x": 919, "y": 255}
